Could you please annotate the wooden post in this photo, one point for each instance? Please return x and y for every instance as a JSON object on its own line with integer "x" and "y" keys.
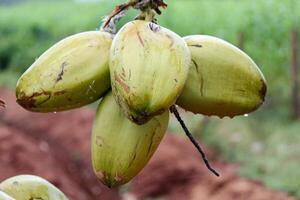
{"x": 294, "y": 73}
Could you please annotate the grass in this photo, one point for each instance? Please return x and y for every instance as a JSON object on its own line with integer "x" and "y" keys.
{"x": 267, "y": 151}
{"x": 266, "y": 148}
{"x": 8, "y": 79}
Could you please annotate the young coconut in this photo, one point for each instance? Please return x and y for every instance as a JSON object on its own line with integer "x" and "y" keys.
{"x": 222, "y": 81}
{"x": 71, "y": 74}
{"x": 149, "y": 65}
{"x": 121, "y": 148}
{"x": 31, "y": 187}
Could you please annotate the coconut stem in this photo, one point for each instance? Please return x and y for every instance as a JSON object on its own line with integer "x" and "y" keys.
{"x": 174, "y": 110}
{"x": 109, "y": 23}
{"x": 146, "y": 6}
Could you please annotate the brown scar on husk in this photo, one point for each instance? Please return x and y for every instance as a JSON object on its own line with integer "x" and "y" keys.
{"x": 140, "y": 38}
{"x": 201, "y": 78}
{"x": 36, "y": 198}
{"x": 41, "y": 103}
{"x": 29, "y": 101}
{"x": 99, "y": 141}
{"x": 123, "y": 75}
{"x": 103, "y": 177}
{"x": 154, "y": 27}
{"x": 142, "y": 116}
{"x": 120, "y": 81}
{"x": 202, "y": 87}
{"x": 117, "y": 177}
{"x": 241, "y": 90}
{"x": 2, "y": 103}
{"x": 62, "y": 72}
{"x": 129, "y": 74}
{"x": 263, "y": 90}
{"x": 151, "y": 143}
{"x": 171, "y": 39}
{"x": 196, "y": 65}
{"x": 16, "y": 183}
{"x": 134, "y": 156}
{"x": 195, "y": 45}
{"x": 159, "y": 126}
{"x": 100, "y": 174}
{"x": 58, "y": 93}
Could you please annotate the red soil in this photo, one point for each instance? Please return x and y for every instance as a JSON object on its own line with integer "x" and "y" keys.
{"x": 57, "y": 147}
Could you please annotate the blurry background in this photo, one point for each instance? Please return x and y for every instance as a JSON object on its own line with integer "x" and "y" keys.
{"x": 264, "y": 146}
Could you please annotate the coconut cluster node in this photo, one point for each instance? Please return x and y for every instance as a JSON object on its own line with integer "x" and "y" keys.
{"x": 139, "y": 73}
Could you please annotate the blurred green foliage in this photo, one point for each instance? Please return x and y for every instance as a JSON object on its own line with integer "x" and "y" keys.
{"x": 28, "y": 29}
{"x": 267, "y": 151}
{"x": 265, "y": 143}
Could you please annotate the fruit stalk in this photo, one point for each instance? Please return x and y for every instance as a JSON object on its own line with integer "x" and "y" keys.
{"x": 174, "y": 110}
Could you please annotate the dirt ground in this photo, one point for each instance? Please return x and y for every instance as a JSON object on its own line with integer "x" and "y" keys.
{"x": 57, "y": 147}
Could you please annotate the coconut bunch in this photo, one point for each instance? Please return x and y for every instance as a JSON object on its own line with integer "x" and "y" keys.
{"x": 141, "y": 72}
